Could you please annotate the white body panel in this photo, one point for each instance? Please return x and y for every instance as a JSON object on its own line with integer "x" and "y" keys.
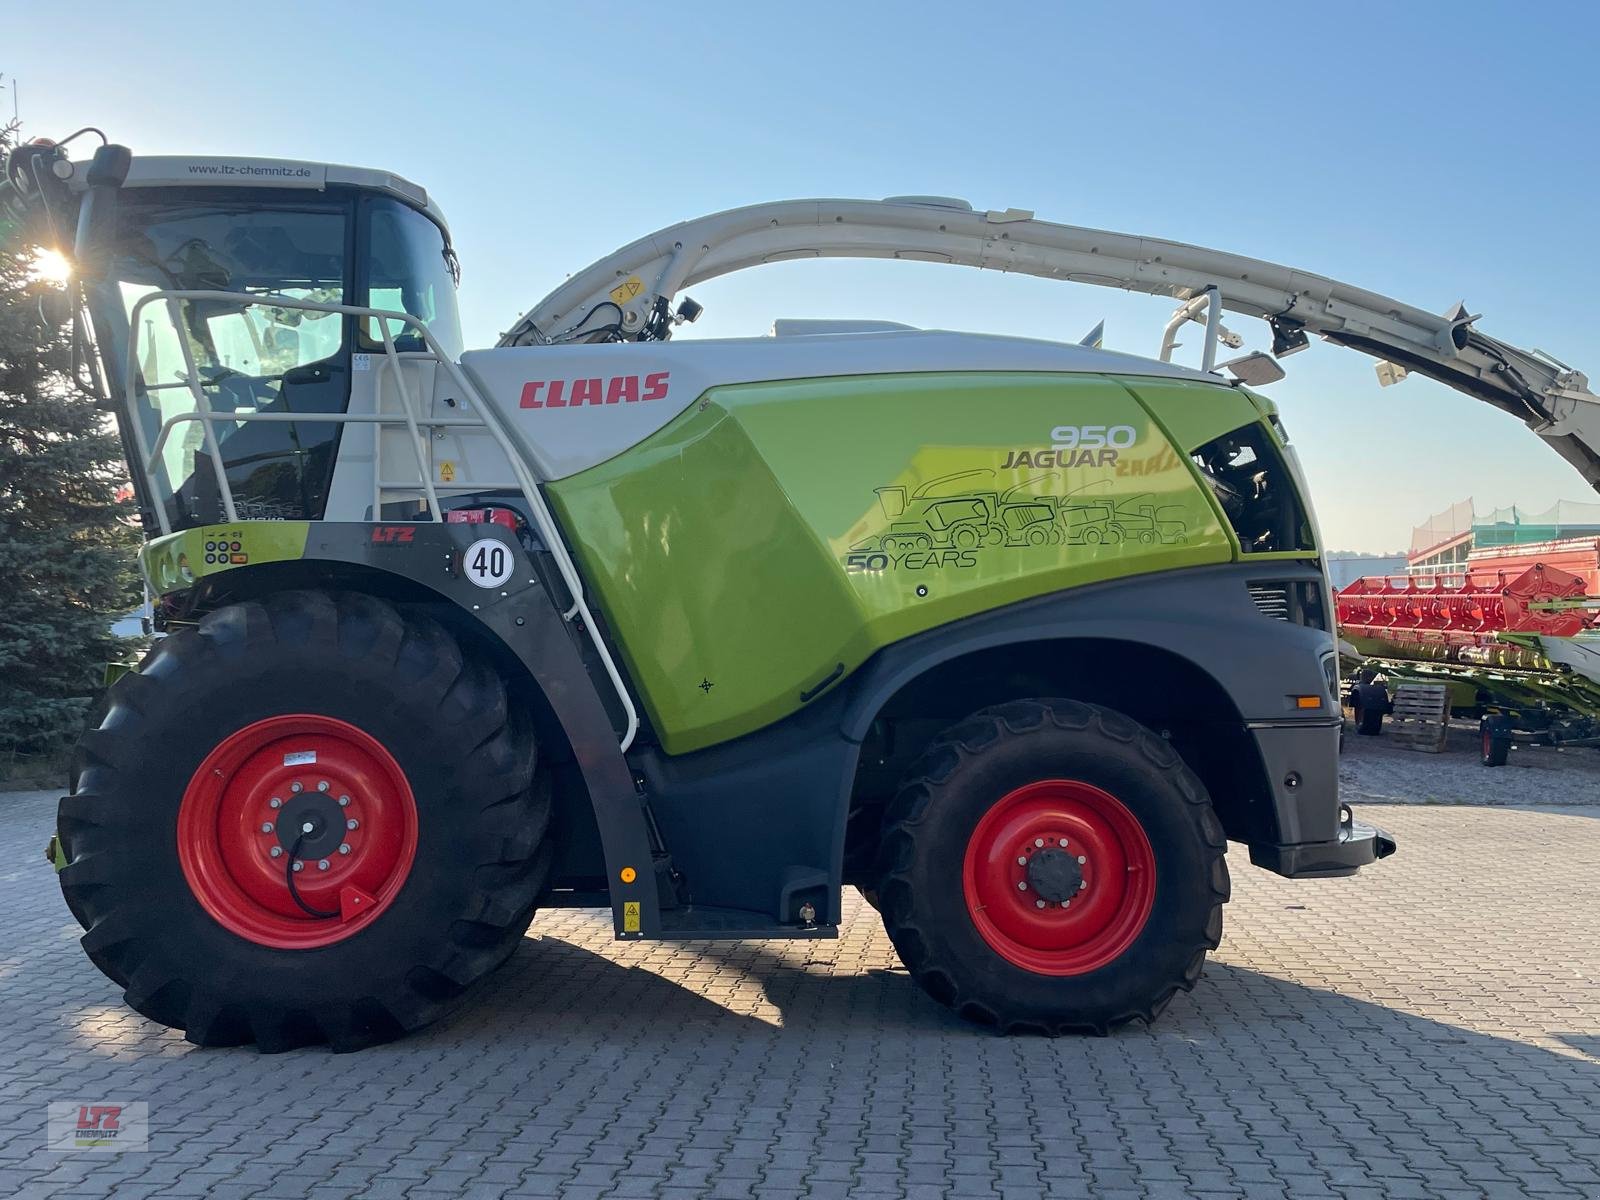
{"x": 561, "y": 439}
{"x": 367, "y": 452}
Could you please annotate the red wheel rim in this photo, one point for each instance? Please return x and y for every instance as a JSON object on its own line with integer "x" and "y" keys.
{"x": 1059, "y": 877}
{"x": 301, "y": 777}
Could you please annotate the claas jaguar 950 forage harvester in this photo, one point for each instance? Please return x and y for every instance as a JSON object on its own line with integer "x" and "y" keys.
{"x": 1012, "y": 636}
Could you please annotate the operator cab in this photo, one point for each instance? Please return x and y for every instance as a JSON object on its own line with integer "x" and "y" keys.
{"x": 324, "y": 235}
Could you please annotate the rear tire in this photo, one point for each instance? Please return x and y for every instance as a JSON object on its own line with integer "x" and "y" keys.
{"x": 170, "y": 867}
{"x": 1149, "y": 891}
{"x": 1368, "y": 707}
{"x": 1494, "y": 733}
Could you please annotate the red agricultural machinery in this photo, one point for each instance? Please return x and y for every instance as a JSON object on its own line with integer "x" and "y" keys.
{"x": 1464, "y": 610}
{"x": 1518, "y": 648}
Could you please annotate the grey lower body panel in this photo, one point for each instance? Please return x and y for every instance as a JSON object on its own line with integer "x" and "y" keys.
{"x": 1318, "y": 836}
{"x": 1300, "y": 764}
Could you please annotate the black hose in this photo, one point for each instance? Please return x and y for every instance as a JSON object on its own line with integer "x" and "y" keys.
{"x": 294, "y": 857}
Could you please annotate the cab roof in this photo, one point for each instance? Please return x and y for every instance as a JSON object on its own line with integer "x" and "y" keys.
{"x": 162, "y": 170}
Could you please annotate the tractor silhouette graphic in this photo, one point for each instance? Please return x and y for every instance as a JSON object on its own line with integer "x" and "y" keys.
{"x": 951, "y": 513}
{"x": 1108, "y": 521}
{"x": 944, "y": 514}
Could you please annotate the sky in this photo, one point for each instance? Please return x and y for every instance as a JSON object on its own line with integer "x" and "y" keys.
{"x": 1430, "y": 152}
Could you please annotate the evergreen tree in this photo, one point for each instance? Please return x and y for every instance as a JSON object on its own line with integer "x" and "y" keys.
{"x": 67, "y": 542}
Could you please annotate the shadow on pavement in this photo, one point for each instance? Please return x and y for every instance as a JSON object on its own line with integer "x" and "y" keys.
{"x": 1584, "y": 1043}
{"x": 553, "y": 988}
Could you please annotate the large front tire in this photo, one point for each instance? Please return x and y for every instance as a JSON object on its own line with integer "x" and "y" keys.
{"x": 1052, "y": 866}
{"x": 330, "y": 731}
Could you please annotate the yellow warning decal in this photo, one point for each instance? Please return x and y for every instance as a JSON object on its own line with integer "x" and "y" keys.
{"x": 627, "y": 289}
{"x": 447, "y": 471}
{"x": 630, "y": 916}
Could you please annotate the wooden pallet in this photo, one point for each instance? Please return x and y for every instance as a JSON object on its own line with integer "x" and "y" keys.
{"x": 1421, "y": 716}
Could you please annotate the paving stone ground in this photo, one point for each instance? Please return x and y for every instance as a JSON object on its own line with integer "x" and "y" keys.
{"x": 1428, "y": 1028}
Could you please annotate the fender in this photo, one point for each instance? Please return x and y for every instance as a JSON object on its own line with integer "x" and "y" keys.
{"x": 1203, "y": 615}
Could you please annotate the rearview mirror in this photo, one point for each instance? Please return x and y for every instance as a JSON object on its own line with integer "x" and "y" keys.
{"x": 1256, "y": 369}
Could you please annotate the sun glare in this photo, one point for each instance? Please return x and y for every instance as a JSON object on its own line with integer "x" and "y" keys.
{"x": 51, "y": 266}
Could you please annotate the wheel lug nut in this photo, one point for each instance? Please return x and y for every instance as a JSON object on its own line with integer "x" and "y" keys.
{"x": 1066, "y": 904}
{"x": 344, "y": 847}
{"x": 322, "y": 786}
{"x": 266, "y": 827}
{"x": 276, "y": 852}
{"x": 1063, "y": 841}
{"x": 323, "y": 865}
{"x": 1039, "y": 903}
{"x": 1082, "y": 883}
{"x": 1082, "y": 860}
{"x": 298, "y": 864}
{"x": 1022, "y": 861}
{"x": 275, "y": 802}
{"x": 296, "y": 788}
{"x": 1038, "y": 842}
{"x": 352, "y": 823}
{"x": 1022, "y": 887}
{"x": 344, "y": 801}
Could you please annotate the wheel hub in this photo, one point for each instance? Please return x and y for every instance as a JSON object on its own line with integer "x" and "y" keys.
{"x": 1059, "y": 877}
{"x": 1053, "y": 875}
{"x": 314, "y": 822}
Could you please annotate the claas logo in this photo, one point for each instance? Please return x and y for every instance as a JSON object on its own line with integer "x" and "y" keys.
{"x": 597, "y": 390}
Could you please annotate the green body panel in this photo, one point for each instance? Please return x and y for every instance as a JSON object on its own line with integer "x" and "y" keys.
{"x": 768, "y": 541}
{"x": 1191, "y": 414}
{"x": 179, "y": 560}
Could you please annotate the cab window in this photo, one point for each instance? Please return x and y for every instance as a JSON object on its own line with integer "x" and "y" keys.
{"x": 410, "y": 269}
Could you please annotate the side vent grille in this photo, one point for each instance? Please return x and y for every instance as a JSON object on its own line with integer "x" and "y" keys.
{"x": 1272, "y": 599}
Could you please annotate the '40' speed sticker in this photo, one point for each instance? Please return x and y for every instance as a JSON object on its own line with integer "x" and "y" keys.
{"x": 489, "y": 563}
